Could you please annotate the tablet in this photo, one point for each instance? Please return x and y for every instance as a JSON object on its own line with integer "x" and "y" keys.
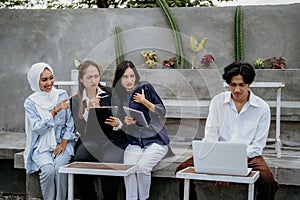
{"x": 137, "y": 115}
{"x": 104, "y": 112}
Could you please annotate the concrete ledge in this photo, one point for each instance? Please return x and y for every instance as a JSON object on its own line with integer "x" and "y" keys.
{"x": 11, "y": 143}
{"x": 192, "y": 109}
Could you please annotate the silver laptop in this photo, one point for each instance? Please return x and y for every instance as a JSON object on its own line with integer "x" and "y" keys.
{"x": 225, "y": 158}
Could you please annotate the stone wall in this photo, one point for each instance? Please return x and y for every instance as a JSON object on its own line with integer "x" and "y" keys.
{"x": 60, "y": 36}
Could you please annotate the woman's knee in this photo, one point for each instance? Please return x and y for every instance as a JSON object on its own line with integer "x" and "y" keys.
{"x": 47, "y": 171}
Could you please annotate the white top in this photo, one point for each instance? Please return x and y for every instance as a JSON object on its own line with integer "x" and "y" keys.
{"x": 251, "y": 125}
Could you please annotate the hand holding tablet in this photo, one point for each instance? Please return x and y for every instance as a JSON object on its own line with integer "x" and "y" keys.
{"x": 137, "y": 115}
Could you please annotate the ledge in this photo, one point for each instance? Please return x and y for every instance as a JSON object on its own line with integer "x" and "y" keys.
{"x": 198, "y": 109}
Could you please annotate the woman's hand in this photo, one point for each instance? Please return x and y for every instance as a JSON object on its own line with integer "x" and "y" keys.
{"x": 64, "y": 104}
{"x": 113, "y": 121}
{"x": 129, "y": 121}
{"x": 139, "y": 98}
{"x": 60, "y": 148}
{"x": 94, "y": 102}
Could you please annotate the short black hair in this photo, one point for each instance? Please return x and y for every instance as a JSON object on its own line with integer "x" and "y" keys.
{"x": 243, "y": 68}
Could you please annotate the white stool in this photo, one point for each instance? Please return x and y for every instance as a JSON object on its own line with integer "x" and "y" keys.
{"x": 189, "y": 173}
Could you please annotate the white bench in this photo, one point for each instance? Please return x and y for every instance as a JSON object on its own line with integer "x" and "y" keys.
{"x": 93, "y": 168}
{"x": 277, "y": 85}
{"x": 189, "y": 173}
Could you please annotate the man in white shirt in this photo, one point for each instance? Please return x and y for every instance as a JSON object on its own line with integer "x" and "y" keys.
{"x": 239, "y": 115}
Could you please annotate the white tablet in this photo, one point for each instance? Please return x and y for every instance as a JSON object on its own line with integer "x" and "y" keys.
{"x": 137, "y": 115}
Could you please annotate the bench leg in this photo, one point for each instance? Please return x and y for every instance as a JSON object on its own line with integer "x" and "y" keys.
{"x": 251, "y": 191}
{"x": 186, "y": 189}
{"x": 70, "y": 186}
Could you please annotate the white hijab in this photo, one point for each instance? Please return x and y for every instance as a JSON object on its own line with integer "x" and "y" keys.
{"x": 45, "y": 102}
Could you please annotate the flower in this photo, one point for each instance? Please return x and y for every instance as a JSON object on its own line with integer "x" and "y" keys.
{"x": 170, "y": 62}
{"x": 207, "y": 60}
{"x": 150, "y": 58}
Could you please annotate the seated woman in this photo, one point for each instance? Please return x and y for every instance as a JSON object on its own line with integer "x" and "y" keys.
{"x": 50, "y": 131}
{"x": 103, "y": 144}
{"x": 147, "y": 144}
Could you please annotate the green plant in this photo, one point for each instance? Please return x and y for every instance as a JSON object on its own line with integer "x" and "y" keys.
{"x": 76, "y": 63}
{"x": 118, "y": 46}
{"x": 196, "y": 47}
{"x": 271, "y": 63}
{"x": 238, "y": 34}
{"x": 259, "y": 63}
{"x": 181, "y": 61}
{"x": 150, "y": 58}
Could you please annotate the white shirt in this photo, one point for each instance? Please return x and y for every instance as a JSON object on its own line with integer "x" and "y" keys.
{"x": 86, "y": 113}
{"x": 251, "y": 125}
{"x": 87, "y": 100}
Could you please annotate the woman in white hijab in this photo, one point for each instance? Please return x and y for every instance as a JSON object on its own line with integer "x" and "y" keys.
{"x": 50, "y": 132}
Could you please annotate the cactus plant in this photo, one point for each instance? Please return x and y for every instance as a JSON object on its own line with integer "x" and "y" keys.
{"x": 238, "y": 34}
{"x": 118, "y": 46}
{"x": 181, "y": 61}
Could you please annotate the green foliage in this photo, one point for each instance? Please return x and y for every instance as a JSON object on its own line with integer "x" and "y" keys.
{"x": 259, "y": 63}
{"x": 238, "y": 34}
{"x": 118, "y": 46}
{"x": 181, "y": 61}
{"x": 73, "y": 4}
{"x": 195, "y": 46}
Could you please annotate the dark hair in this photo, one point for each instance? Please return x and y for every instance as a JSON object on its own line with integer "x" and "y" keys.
{"x": 243, "y": 68}
{"x": 81, "y": 71}
{"x": 121, "y": 68}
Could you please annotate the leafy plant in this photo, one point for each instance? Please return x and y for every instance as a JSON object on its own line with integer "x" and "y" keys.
{"x": 275, "y": 63}
{"x": 196, "y": 47}
{"x": 259, "y": 63}
{"x": 150, "y": 58}
{"x": 169, "y": 62}
{"x": 207, "y": 60}
{"x": 271, "y": 63}
{"x": 118, "y": 46}
{"x": 238, "y": 34}
{"x": 76, "y": 63}
{"x": 181, "y": 61}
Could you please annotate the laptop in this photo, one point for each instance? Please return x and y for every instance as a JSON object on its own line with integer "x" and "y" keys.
{"x": 224, "y": 158}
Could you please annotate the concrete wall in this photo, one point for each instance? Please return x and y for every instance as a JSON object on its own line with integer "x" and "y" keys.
{"x": 60, "y": 36}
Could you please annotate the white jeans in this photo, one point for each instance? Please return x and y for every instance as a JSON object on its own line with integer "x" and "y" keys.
{"x": 145, "y": 159}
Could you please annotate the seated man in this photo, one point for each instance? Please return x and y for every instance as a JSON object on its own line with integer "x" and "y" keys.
{"x": 239, "y": 115}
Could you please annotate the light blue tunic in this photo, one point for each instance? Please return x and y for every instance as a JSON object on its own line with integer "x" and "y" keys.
{"x": 63, "y": 126}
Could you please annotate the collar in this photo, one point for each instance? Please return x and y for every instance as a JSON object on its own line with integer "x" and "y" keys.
{"x": 84, "y": 96}
{"x": 252, "y": 98}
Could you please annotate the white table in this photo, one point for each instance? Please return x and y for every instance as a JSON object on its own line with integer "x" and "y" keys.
{"x": 95, "y": 168}
{"x": 189, "y": 173}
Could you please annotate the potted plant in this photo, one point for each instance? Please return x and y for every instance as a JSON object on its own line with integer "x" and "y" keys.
{"x": 150, "y": 58}
{"x": 207, "y": 60}
{"x": 169, "y": 62}
{"x": 270, "y": 63}
{"x": 195, "y": 47}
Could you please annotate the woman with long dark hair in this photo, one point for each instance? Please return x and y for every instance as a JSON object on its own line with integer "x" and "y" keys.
{"x": 147, "y": 145}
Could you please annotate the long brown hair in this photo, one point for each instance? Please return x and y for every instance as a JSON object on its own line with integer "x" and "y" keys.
{"x": 81, "y": 71}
